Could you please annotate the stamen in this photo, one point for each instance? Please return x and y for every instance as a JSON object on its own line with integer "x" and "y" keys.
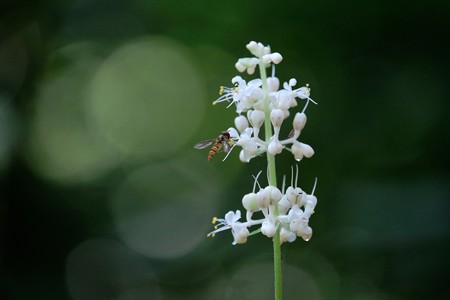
{"x": 214, "y": 220}
{"x": 306, "y": 105}
{"x": 256, "y": 181}
{"x": 292, "y": 176}
{"x": 234, "y": 145}
{"x": 314, "y": 188}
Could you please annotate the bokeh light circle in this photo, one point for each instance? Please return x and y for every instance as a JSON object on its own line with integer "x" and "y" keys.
{"x": 60, "y": 146}
{"x": 100, "y": 269}
{"x": 163, "y": 210}
{"x": 146, "y": 98}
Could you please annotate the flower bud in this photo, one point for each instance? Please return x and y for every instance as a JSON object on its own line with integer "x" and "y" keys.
{"x": 300, "y": 149}
{"x": 251, "y": 70}
{"x": 244, "y": 157}
{"x": 283, "y": 205}
{"x": 253, "y": 47}
{"x": 274, "y": 147}
{"x": 240, "y": 234}
{"x": 263, "y": 198}
{"x": 296, "y": 150}
{"x": 311, "y": 202}
{"x": 256, "y": 118}
{"x": 240, "y": 67}
{"x": 268, "y": 228}
{"x": 241, "y": 123}
{"x": 293, "y": 194}
{"x": 274, "y": 194}
{"x": 276, "y": 58}
{"x": 287, "y": 236}
{"x": 307, "y": 150}
{"x": 292, "y": 82}
{"x": 250, "y": 202}
{"x": 307, "y": 233}
{"x": 299, "y": 121}
{"x": 277, "y": 117}
{"x": 269, "y": 58}
{"x": 273, "y": 84}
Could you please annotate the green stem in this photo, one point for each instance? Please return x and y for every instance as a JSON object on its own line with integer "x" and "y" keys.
{"x": 271, "y": 170}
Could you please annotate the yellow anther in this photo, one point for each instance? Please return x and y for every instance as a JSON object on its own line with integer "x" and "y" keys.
{"x": 214, "y": 220}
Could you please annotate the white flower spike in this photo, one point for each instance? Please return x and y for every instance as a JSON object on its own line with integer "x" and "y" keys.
{"x": 262, "y": 105}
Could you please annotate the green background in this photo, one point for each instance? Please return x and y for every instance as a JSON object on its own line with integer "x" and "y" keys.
{"x": 102, "y": 195}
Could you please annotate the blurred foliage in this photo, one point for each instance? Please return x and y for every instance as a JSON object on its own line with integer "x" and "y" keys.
{"x": 103, "y": 196}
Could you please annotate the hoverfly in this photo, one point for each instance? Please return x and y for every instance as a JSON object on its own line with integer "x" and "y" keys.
{"x": 223, "y": 141}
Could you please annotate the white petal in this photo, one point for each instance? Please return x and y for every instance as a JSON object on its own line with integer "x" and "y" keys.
{"x": 233, "y": 133}
{"x": 232, "y": 217}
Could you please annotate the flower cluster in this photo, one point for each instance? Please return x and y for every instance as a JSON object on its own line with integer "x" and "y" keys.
{"x": 288, "y": 210}
{"x": 262, "y": 106}
{"x": 257, "y": 98}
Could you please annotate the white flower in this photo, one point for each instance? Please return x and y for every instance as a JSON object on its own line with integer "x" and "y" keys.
{"x": 304, "y": 92}
{"x": 238, "y": 229}
{"x": 247, "y": 64}
{"x": 268, "y": 227}
{"x": 258, "y": 49}
{"x": 275, "y": 147}
{"x": 240, "y": 233}
{"x": 244, "y": 95}
{"x": 300, "y": 149}
{"x": 271, "y": 210}
{"x": 295, "y": 207}
{"x": 275, "y": 58}
{"x": 250, "y": 146}
{"x": 301, "y": 228}
{"x": 287, "y": 236}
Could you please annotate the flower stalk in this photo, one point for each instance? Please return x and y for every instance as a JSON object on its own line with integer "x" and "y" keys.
{"x": 286, "y": 212}
{"x": 272, "y": 178}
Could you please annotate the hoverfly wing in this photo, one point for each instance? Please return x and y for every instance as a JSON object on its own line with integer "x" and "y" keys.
{"x": 226, "y": 146}
{"x": 203, "y": 144}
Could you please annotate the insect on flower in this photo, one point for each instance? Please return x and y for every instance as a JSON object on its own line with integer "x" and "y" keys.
{"x": 223, "y": 141}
